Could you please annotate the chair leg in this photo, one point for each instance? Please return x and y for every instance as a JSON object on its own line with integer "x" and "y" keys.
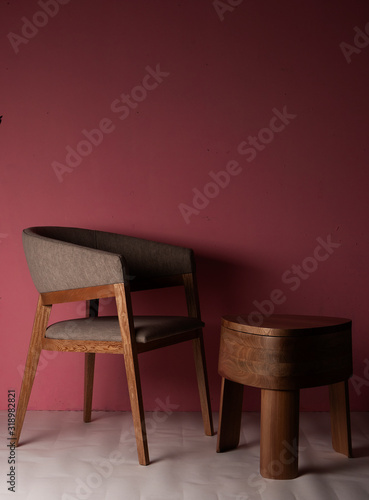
{"x": 340, "y": 418}
{"x": 89, "y": 382}
{"x": 138, "y": 415}
{"x": 202, "y": 381}
{"x": 124, "y": 309}
{"x": 34, "y": 351}
{"x": 230, "y": 415}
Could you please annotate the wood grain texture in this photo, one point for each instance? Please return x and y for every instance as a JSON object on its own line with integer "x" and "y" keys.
{"x": 77, "y": 294}
{"x": 285, "y": 363}
{"x": 193, "y": 308}
{"x": 92, "y": 311}
{"x": 279, "y": 434}
{"x": 38, "y": 331}
{"x": 285, "y": 325}
{"x": 340, "y": 418}
{"x": 230, "y": 414}
{"x": 283, "y": 355}
{"x": 88, "y": 386}
{"x": 124, "y": 309}
{"x": 103, "y": 347}
{"x": 203, "y": 385}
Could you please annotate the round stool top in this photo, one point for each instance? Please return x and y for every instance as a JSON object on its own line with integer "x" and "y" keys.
{"x": 286, "y": 325}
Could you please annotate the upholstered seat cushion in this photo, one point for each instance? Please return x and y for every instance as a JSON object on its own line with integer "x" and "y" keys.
{"x": 106, "y": 328}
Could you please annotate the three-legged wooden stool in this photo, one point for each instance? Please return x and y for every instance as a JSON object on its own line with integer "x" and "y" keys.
{"x": 283, "y": 355}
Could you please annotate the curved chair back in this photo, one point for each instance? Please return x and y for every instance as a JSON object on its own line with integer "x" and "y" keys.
{"x": 64, "y": 258}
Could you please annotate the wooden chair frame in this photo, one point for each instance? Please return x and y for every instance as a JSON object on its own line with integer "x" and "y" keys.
{"x": 128, "y": 347}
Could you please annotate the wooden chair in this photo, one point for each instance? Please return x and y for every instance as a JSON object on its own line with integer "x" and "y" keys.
{"x": 72, "y": 264}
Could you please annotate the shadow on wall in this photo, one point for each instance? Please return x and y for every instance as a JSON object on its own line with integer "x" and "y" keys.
{"x": 220, "y": 282}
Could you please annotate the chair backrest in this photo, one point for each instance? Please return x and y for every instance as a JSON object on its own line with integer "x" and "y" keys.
{"x": 64, "y": 258}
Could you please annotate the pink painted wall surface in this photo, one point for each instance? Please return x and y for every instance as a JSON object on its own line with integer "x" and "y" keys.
{"x": 182, "y": 91}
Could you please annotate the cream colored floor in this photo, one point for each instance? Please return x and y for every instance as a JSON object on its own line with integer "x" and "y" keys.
{"x": 60, "y": 457}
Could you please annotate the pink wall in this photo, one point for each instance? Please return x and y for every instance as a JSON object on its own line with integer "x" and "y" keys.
{"x": 205, "y": 84}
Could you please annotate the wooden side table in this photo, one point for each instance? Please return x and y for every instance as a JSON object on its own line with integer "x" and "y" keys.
{"x": 283, "y": 355}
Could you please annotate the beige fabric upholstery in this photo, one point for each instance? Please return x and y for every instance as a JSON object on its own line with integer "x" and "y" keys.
{"x": 62, "y": 258}
{"x": 106, "y": 328}
{"x": 57, "y": 265}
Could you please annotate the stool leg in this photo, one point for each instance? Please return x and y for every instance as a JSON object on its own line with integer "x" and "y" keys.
{"x": 229, "y": 415}
{"x": 279, "y": 434}
{"x": 340, "y": 418}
